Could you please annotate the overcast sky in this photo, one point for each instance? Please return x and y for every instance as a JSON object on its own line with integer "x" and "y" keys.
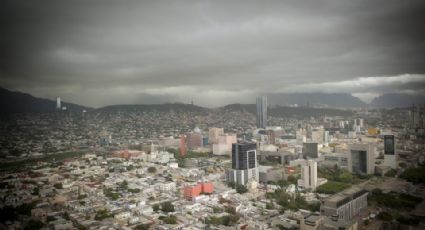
{"x": 98, "y": 53}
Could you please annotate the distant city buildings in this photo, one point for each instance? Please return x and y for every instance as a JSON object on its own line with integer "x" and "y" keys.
{"x": 244, "y": 164}
{"x": 261, "y": 112}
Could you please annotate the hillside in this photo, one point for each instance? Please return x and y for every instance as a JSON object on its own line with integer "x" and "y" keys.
{"x": 17, "y": 102}
{"x": 331, "y": 100}
{"x": 397, "y": 101}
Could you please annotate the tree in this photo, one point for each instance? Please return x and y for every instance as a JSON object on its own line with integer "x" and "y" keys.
{"x": 152, "y": 169}
{"x": 33, "y": 224}
{"x": 58, "y": 185}
{"x": 155, "y": 207}
{"x": 123, "y": 185}
{"x": 143, "y": 227}
{"x": 102, "y": 214}
{"x": 171, "y": 219}
{"x": 270, "y": 205}
{"x": 167, "y": 207}
{"x": 241, "y": 189}
{"x": 385, "y": 216}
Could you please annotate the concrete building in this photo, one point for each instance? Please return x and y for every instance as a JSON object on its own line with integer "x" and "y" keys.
{"x": 346, "y": 204}
{"x": 194, "y": 140}
{"x": 334, "y": 223}
{"x": 340, "y": 160}
{"x": 362, "y": 158}
{"x": 317, "y": 135}
{"x": 308, "y": 176}
{"x": 224, "y": 144}
{"x": 213, "y": 135}
{"x": 269, "y": 173}
{"x": 390, "y": 155}
{"x": 310, "y": 149}
{"x": 311, "y": 222}
{"x": 58, "y": 103}
{"x": 262, "y": 112}
{"x": 244, "y": 164}
{"x": 190, "y": 192}
{"x": 182, "y": 145}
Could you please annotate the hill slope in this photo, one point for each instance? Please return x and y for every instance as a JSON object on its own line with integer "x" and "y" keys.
{"x": 17, "y": 102}
{"x": 332, "y": 100}
{"x": 397, "y": 101}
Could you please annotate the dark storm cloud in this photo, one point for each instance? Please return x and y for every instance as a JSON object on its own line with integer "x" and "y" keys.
{"x": 108, "y": 52}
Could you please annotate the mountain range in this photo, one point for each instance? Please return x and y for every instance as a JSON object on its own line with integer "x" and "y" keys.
{"x": 17, "y": 102}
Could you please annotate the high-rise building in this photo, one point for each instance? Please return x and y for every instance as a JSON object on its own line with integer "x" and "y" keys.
{"x": 194, "y": 140}
{"x": 390, "y": 151}
{"x": 326, "y": 137}
{"x": 224, "y": 144}
{"x": 214, "y": 133}
{"x": 308, "y": 175}
{"x": 58, "y": 103}
{"x": 182, "y": 145}
{"x": 262, "y": 112}
{"x": 244, "y": 163}
{"x": 362, "y": 158}
{"x": 317, "y": 135}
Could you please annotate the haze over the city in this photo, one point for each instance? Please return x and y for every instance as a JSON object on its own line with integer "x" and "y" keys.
{"x": 98, "y": 53}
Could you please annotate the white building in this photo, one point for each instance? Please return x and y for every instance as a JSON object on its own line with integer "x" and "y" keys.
{"x": 308, "y": 176}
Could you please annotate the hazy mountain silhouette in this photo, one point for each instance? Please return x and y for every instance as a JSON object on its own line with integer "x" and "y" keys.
{"x": 331, "y": 100}
{"x": 17, "y": 102}
{"x": 397, "y": 101}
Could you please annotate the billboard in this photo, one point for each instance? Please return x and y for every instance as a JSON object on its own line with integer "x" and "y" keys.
{"x": 389, "y": 145}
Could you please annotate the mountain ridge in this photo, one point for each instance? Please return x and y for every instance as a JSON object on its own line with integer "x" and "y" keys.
{"x": 18, "y": 102}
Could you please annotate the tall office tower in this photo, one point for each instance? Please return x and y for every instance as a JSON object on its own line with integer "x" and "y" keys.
{"x": 194, "y": 140}
{"x": 308, "y": 175}
{"x": 317, "y": 135}
{"x": 326, "y": 137}
{"x": 390, "y": 152}
{"x": 262, "y": 112}
{"x": 244, "y": 164}
{"x": 214, "y": 133}
{"x": 362, "y": 158}
{"x": 182, "y": 145}
{"x": 415, "y": 116}
{"x": 361, "y": 122}
{"x": 310, "y": 149}
{"x": 224, "y": 144}
{"x": 271, "y": 137}
{"x": 58, "y": 103}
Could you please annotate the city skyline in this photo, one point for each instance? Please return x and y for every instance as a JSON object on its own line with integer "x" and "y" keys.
{"x": 98, "y": 54}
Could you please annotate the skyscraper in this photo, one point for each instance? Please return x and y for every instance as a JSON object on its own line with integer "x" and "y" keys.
{"x": 262, "y": 112}
{"x": 58, "y": 103}
{"x": 389, "y": 151}
{"x": 244, "y": 163}
{"x": 182, "y": 145}
{"x": 214, "y": 133}
{"x": 308, "y": 175}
